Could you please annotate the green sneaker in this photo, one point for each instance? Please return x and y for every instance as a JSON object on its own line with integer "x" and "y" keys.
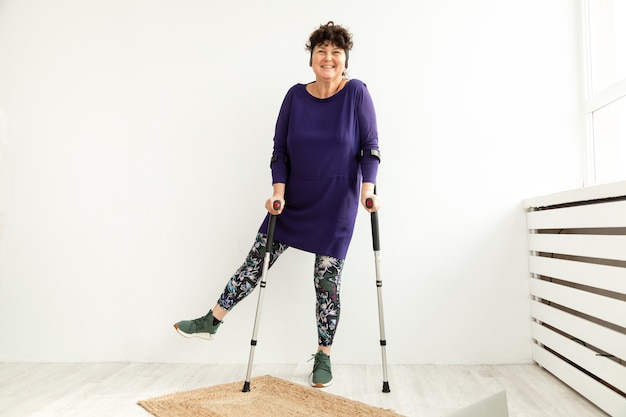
{"x": 202, "y": 327}
{"x": 321, "y": 376}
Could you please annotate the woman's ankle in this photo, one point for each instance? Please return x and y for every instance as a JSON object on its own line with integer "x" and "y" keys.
{"x": 325, "y": 349}
{"x": 219, "y": 312}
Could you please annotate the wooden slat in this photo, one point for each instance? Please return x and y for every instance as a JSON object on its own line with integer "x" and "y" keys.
{"x": 585, "y": 194}
{"x": 593, "y": 246}
{"x": 599, "y": 306}
{"x": 604, "y": 368}
{"x": 594, "y": 334}
{"x": 610, "y": 278}
{"x": 599, "y": 215}
{"x": 604, "y": 397}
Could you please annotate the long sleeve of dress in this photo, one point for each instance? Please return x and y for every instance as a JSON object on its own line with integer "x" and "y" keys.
{"x": 368, "y": 131}
{"x": 280, "y": 156}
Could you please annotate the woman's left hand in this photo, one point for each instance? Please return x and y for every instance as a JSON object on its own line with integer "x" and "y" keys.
{"x": 367, "y": 192}
{"x": 374, "y": 206}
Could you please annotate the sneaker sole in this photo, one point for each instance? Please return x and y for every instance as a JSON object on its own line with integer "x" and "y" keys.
{"x": 205, "y": 336}
{"x": 319, "y": 384}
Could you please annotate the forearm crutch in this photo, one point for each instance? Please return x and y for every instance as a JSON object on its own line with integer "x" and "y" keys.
{"x": 257, "y": 317}
{"x": 369, "y": 203}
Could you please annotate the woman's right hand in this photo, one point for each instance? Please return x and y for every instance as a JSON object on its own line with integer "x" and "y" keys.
{"x": 269, "y": 204}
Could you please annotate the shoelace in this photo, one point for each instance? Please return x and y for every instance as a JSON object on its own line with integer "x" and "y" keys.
{"x": 319, "y": 364}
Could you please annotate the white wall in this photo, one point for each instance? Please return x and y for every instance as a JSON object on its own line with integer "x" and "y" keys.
{"x": 135, "y": 139}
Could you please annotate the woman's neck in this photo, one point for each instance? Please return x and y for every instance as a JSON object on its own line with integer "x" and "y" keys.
{"x": 325, "y": 89}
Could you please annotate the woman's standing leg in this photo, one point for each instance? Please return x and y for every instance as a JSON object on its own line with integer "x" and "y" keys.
{"x": 239, "y": 286}
{"x": 327, "y": 281}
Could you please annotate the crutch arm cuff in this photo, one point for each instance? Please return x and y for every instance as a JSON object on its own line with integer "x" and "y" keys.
{"x": 369, "y": 152}
{"x": 369, "y": 159}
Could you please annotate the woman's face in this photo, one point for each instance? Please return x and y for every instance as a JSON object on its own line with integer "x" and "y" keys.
{"x": 328, "y": 61}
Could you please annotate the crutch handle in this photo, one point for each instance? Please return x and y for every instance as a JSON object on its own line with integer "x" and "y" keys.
{"x": 369, "y": 203}
{"x": 272, "y": 224}
{"x": 276, "y": 205}
{"x": 375, "y": 233}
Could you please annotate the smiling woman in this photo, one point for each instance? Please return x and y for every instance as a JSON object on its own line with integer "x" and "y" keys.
{"x": 324, "y": 163}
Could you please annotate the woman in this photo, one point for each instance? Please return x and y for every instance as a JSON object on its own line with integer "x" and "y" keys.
{"x": 325, "y": 148}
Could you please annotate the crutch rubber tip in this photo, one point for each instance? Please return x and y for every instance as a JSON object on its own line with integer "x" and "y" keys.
{"x": 386, "y": 386}
{"x": 246, "y": 387}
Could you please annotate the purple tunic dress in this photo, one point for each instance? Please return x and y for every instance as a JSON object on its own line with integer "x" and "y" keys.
{"x": 317, "y": 145}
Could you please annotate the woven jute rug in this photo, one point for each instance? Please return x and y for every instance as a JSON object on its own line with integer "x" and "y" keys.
{"x": 268, "y": 397}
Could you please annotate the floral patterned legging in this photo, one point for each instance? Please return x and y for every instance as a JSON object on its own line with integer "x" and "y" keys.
{"x": 327, "y": 279}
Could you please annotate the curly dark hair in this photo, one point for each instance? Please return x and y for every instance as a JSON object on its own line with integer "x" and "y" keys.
{"x": 330, "y": 32}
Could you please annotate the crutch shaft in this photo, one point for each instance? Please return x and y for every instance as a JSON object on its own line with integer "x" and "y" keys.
{"x": 369, "y": 203}
{"x": 255, "y": 329}
{"x": 381, "y": 322}
{"x": 257, "y": 318}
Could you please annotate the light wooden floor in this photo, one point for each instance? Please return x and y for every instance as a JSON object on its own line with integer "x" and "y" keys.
{"x": 113, "y": 389}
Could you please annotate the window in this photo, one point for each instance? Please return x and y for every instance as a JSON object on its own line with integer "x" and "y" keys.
{"x": 604, "y": 28}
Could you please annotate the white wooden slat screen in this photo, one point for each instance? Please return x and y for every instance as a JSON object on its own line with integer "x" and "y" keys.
{"x": 577, "y": 266}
